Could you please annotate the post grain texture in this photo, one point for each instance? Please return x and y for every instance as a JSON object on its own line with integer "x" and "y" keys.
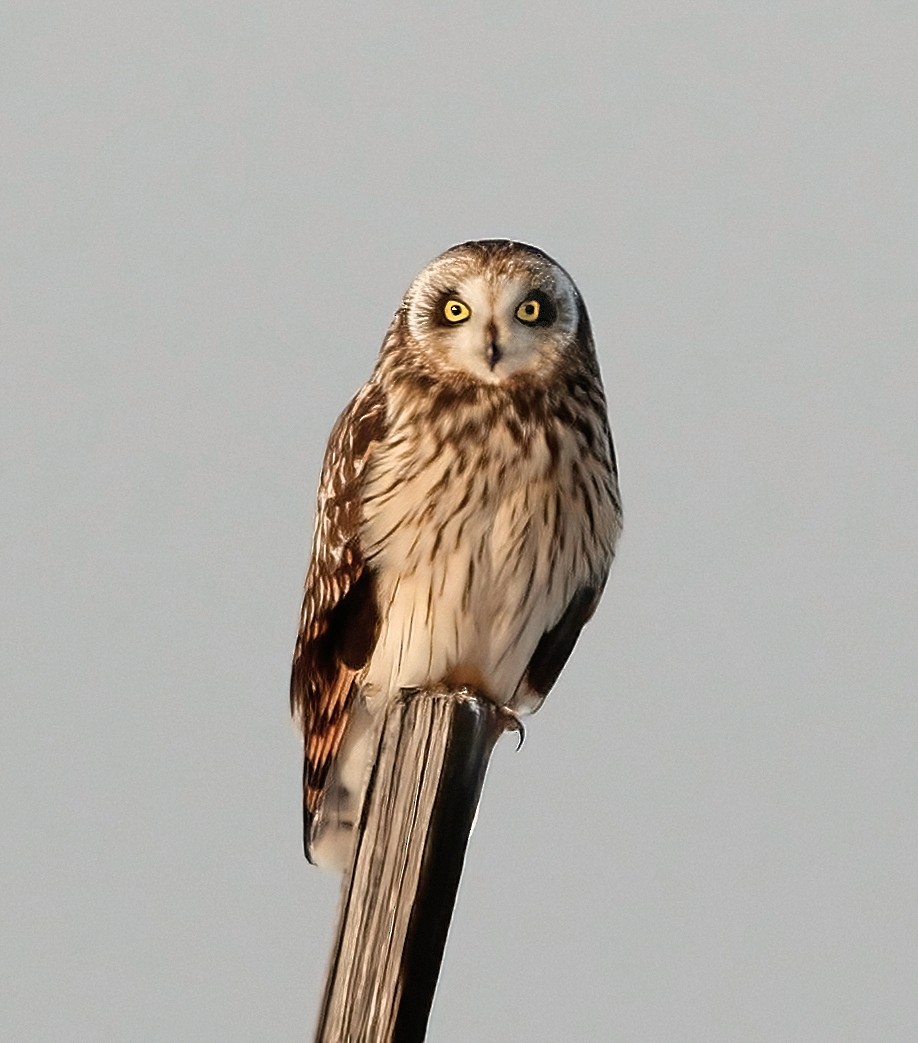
{"x": 398, "y": 898}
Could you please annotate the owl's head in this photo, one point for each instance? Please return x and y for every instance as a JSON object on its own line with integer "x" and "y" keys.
{"x": 495, "y": 309}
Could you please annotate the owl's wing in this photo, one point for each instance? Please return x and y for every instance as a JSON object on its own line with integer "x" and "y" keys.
{"x": 339, "y": 623}
{"x": 556, "y": 644}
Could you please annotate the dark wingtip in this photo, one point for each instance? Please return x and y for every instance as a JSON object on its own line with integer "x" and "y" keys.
{"x": 556, "y": 645}
{"x": 307, "y": 832}
{"x": 307, "y": 819}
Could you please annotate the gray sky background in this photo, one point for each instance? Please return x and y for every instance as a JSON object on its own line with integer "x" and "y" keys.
{"x": 209, "y": 213}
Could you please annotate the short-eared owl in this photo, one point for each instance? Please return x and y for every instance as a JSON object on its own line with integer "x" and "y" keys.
{"x": 467, "y": 514}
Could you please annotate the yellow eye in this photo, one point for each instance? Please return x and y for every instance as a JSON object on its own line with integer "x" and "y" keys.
{"x": 455, "y": 311}
{"x": 528, "y": 311}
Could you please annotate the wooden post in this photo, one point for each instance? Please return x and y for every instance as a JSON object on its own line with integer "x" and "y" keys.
{"x": 398, "y": 897}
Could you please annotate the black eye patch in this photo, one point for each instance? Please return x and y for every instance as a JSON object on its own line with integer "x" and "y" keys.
{"x": 547, "y": 310}
{"x": 447, "y": 309}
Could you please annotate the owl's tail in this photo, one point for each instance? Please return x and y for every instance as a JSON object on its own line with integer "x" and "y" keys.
{"x": 329, "y": 832}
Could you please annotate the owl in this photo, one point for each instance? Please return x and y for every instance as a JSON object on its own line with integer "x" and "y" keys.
{"x": 467, "y": 516}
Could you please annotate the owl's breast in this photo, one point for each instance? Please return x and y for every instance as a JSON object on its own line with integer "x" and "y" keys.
{"x": 477, "y": 548}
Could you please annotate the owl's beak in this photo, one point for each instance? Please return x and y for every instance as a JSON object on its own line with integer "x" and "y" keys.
{"x": 493, "y": 352}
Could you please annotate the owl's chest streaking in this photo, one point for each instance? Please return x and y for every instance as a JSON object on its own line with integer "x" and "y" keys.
{"x": 479, "y": 534}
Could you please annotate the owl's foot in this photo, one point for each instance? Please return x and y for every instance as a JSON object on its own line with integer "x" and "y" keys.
{"x": 512, "y": 722}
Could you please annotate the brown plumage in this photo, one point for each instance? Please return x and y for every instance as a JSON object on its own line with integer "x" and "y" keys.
{"x": 467, "y": 513}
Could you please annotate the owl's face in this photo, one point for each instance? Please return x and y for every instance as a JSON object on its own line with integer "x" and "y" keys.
{"x": 493, "y": 310}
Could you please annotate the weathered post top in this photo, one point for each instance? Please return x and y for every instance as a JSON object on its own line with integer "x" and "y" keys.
{"x": 398, "y": 898}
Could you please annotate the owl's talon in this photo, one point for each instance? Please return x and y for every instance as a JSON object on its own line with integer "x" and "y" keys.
{"x": 513, "y": 723}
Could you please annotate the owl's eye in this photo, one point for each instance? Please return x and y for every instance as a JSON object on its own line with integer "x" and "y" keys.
{"x": 529, "y": 310}
{"x": 455, "y": 311}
